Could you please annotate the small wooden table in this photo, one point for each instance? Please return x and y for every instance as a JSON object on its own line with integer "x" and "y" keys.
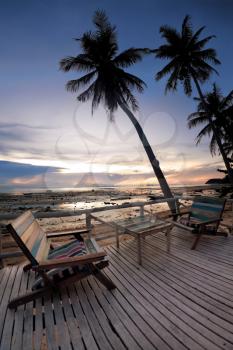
{"x": 140, "y": 227}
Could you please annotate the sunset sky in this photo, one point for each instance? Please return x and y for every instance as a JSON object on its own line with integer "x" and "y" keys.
{"x": 47, "y": 139}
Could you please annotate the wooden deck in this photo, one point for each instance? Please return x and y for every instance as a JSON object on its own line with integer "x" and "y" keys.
{"x": 181, "y": 300}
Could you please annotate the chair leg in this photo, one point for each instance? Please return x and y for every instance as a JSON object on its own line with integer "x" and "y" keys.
{"x": 26, "y": 298}
{"x": 102, "y": 278}
{"x": 196, "y": 240}
{"x": 27, "y": 267}
{"x": 222, "y": 234}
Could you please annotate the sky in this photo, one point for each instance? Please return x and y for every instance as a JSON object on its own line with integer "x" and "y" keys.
{"x": 48, "y": 139}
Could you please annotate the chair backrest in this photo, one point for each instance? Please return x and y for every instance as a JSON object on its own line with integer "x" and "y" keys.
{"x": 30, "y": 237}
{"x": 207, "y": 208}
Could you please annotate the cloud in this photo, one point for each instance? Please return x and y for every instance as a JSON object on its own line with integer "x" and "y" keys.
{"x": 11, "y": 135}
{"x": 11, "y": 169}
{"x": 37, "y": 180}
{"x": 27, "y": 126}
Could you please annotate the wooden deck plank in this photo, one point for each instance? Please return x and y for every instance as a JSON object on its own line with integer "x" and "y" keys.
{"x": 136, "y": 301}
{"x": 122, "y": 324}
{"x": 102, "y": 318}
{"x": 212, "y": 246}
{"x": 184, "y": 327}
{"x": 63, "y": 337}
{"x": 139, "y": 323}
{"x": 9, "y": 319}
{"x": 180, "y": 282}
{"x": 6, "y": 296}
{"x": 17, "y": 337}
{"x": 85, "y": 330}
{"x": 178, "y": 300}
{"x": 197, "y": 273}
{"x": 92, "y": 320}
{"x": 39, "y": 334}
{"x": 50, "y": 330}
{"x": 186, "y": 305}
{"x": 28, "y": 319}
{"x": 71, "y": 321}
{"x": 204, "y": 261}
{"x": 3, "y": 282}
{"x": 190, "y": 278}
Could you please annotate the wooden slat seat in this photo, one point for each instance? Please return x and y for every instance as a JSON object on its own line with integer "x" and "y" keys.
{"x": 36, "y": 246}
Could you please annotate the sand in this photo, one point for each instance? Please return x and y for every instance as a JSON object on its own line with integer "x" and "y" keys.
{"x": 75, "y": 200}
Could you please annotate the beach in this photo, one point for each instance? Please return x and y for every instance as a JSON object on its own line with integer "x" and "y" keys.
{"x": 76, "y": 200}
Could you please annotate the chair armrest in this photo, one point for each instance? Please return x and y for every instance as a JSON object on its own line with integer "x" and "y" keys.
{"x": 65, "y": 233}
{"x": 69, "y": 262}
{"x": 179, "y": 214}
{"x": 207, "y": 222}
{"x": 187, "y": 228}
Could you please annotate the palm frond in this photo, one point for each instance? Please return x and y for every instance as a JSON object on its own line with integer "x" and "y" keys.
{"x": 166, "y": 70}
{"x": 196, "y": 36}
{"x": 186, "y": 31}
{"x": 165, "y": 51}
{"x": 128, "y": 57}
{"x": 206, "y": 131}
{"x": 87, "y": 94}
{"x": 133, "y": 82}
{"x": 196, "y": 119}
{"x": 228, "y": 100}
{"x": 187, "y": 55}
{"x": 101, "y": 60}
{"x": 98, "y": 94}
{"x": 194, "y": 115}
{"x": 187, "y": 84}
{"x": 207, "y": 55}
{"x": 76, "y": 84}
{"x": 213, "y": 146}
{"x": 201, "y": 43}
{"x": 170, "y": 34}
{"x": 173, "y": 80}
{"x": 100, "y": 19}
{"x": 129, "y": 98}
{"x": 80, "y": 62}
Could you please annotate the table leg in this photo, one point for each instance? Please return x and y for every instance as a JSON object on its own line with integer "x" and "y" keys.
{"x": 139, "y": 250}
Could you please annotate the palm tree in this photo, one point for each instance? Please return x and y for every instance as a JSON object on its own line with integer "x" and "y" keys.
{"x": 106, "y": 80}
{"x": 217, "y": 107}
{"x": 189, "y": 61}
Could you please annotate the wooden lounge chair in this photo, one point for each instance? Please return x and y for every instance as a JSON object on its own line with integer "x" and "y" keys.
{"x": 203, "y": 218}
{"x": 59, "y": 266}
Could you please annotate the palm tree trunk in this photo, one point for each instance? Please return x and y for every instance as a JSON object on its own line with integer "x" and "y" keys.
{"x": 154, "y": 162}
{"x": 215, "y": 132}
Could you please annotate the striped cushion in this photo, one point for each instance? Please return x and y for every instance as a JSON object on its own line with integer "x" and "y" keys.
{"x": 70, "y": 249}
{"x": 189, "y": 223}
{"x": 74, "y": 248}
{"x": 208, "y": 229}
{"x": 204, "y": 208}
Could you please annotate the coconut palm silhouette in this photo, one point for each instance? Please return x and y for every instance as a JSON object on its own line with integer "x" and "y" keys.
{"x": 107, "y": 82}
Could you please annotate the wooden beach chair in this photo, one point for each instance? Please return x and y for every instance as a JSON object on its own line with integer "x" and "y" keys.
{"x": 56, "y": 267}
{"x": 203, "y": 218}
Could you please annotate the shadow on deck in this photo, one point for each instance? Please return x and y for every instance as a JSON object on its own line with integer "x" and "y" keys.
{"x": 174, "y": 301}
